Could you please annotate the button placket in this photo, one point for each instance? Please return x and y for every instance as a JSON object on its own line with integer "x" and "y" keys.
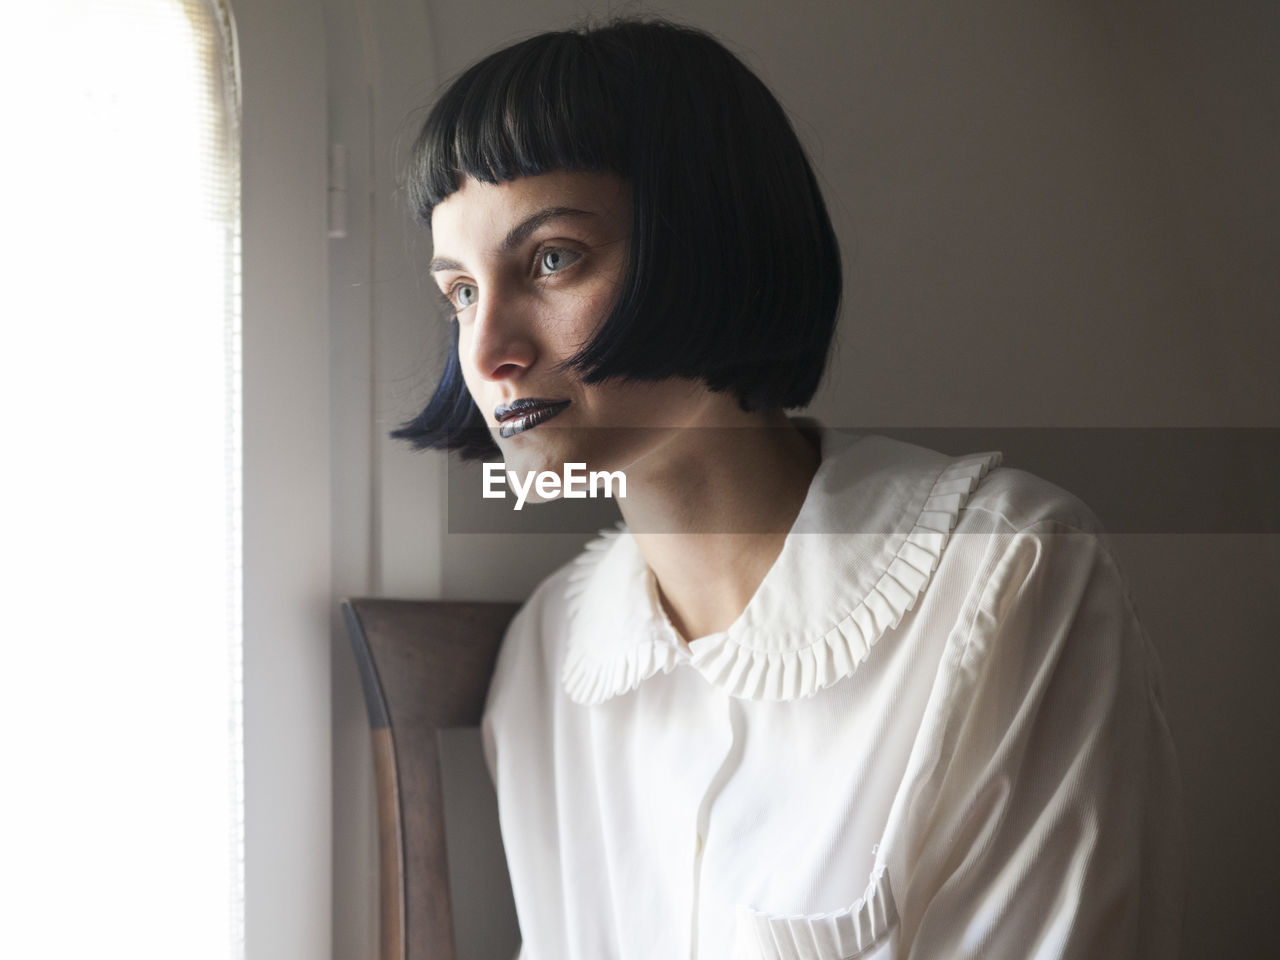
{"x": 730, "y": 715}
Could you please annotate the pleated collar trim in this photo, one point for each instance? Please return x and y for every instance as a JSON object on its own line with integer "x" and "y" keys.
{"x": 862, "y": 551}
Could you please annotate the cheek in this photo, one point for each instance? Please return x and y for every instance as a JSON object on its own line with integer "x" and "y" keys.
{"x": 590, "y": 313}
{"x": 583, "y": 311}
{"x": 469, "y": 377}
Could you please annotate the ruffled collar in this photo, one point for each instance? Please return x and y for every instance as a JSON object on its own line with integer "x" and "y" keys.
{"x": 861, "y": 552}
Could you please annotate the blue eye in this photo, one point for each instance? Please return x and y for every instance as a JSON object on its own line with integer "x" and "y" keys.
{"x": 464, "y": 295}
{"x": 555, "y": 259}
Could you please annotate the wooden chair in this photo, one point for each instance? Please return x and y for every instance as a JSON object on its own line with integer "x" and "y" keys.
{"x": 424, "y": 666}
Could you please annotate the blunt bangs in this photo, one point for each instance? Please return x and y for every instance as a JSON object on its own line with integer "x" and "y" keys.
{"x": 734, "y": 274}
{"x": 538, "y": 106}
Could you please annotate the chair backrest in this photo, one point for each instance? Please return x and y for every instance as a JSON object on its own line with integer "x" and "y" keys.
{"x": 425, "y": 666}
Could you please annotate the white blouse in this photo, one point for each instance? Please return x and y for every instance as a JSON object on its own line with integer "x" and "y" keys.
{"x": 935, "y": 732}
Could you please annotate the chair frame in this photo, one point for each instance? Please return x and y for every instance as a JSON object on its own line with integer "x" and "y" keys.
{"x": 424, "y": 666}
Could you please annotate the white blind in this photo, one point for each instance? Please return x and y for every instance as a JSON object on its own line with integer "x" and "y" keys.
{"x": 121, "y": 833}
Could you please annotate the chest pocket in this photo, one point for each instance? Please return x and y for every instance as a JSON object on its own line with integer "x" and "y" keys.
{"x": 863, "y": 931}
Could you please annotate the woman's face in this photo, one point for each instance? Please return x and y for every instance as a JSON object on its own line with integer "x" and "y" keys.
{"x": 531, "y": 268}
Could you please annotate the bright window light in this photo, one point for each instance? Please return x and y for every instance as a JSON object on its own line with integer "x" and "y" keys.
{"x": 119, "y": 385}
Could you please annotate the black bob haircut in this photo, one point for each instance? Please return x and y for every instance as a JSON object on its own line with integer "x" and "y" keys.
{"x": 734, "y": 272}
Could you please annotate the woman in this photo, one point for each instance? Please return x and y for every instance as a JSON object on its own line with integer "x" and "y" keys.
{"x": 822, "y": 696}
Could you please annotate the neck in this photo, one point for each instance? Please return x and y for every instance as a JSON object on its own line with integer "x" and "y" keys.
{"x": 711, "y": 512}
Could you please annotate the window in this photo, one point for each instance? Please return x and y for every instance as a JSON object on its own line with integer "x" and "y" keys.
{"x": 120, "y": 385}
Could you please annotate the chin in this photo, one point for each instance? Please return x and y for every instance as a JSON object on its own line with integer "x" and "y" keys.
{"x": 529, "y": 453}
{"x": 550, "y": 449}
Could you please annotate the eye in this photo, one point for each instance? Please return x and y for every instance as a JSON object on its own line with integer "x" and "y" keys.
{"x": 463, "y": 295}
{"x": 555, "y": 259}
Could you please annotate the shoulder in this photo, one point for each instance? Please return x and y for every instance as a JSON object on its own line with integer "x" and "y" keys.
{"x": 1037, "y": 529}
{"x": 1014, "y": 500}
{"x": 524, "y": 705}
{"x": 532, "y": 648}
{"x": 1053, "y": 591}
{"x": 1047, "y": 534}
{"x": 541, "y": 623}
{"x": 603, "y": 584}
{"x": 1044, "y": 570}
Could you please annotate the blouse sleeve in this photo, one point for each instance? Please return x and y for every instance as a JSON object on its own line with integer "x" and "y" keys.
{"x": 1048, "y": 823}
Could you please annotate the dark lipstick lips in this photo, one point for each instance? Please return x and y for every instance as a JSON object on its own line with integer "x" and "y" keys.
{"x": 525, "y": 414}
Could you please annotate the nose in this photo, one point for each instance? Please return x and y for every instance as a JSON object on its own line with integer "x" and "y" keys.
{"x": 501, "y": 342}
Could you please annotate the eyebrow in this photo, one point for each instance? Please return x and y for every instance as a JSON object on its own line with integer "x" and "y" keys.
{"x": 517, "y": 234}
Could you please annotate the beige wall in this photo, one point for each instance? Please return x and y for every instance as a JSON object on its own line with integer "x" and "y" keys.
{"x": 1053, "y": 214}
